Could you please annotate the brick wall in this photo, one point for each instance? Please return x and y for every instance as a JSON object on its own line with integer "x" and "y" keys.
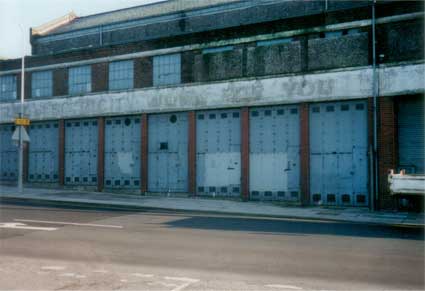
{"x": 100, "y": 153}
{"x": 100, "y": 77}
{"x": 192, "y": 152}
{"x": 61, "y": 152}
{"x": 28, "y": 80}
{"x": 18, "y": 86}
{"x": 304, "y": 154}
{"x": 143, "y": 70}
{"x": 387, "y": 152}
{"x": 144, "y": 153}
{"x": 60, "y": 82}
{"x": 187, "y": 63}
{"x": 245, "y": 153}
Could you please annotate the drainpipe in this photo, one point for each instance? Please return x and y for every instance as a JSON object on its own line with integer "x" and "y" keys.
{"x": 375, "y": 113}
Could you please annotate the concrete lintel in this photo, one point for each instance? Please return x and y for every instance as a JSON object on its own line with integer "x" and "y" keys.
{"x": 326, "y": 86}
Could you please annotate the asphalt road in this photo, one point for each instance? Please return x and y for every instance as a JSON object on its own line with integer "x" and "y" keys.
{"x": 54, "y": 249}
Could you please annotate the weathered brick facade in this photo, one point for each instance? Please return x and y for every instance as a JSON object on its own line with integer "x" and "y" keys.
{"x": 387, "y": 154}
{"x": 100, "y": 75}
{"x": 305, "y": 154}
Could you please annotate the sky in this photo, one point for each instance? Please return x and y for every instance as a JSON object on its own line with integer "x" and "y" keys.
{"x": 15, "y": 14}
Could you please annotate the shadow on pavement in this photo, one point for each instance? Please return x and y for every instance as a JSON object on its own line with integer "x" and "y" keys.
{"x": 295, "y": 227}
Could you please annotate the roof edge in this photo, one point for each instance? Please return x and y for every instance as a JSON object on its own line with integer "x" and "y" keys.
{"x": 54, "y": 24}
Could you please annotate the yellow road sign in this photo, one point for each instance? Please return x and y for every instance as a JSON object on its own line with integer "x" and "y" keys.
{"x": 22, "y": 121}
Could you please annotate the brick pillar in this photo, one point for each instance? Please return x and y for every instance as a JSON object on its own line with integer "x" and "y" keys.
{"x": 61, "y": 153}
{"x": 18, "y": 86}
{"x": 304, "y": 154}
{"x": 245, "y": 153}
{"x": 192, "y": 152}
{"x": 144, "y": 154}
{"x": 100, "y": 77}
{"x": 143, "y": 69}
{"x": 387, "y": 151}
{"x": 187, "y": 60}
{"x": 100, "y": 153}
{"x": 60, "y": 82}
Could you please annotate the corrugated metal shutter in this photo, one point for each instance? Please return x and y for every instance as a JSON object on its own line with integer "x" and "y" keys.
{"x": 411, "y": 135}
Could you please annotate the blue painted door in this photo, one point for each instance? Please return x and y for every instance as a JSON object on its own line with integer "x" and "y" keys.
{"x": 43, "y": 152}
{"x": 274, "y": 153}
{"x": 218, "y": 165}
{"x": 122, "y": 152}
{"x": 168, "y": 152}
{"x": 338, "y": 153}
{"x": 81, "y": 142}
{"x": 8, "y": 154}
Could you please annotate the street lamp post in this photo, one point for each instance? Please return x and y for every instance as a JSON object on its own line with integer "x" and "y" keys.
{"x": 21, "y": 115}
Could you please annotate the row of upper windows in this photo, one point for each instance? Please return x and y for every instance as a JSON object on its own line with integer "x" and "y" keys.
{"x": 166, "y": 71}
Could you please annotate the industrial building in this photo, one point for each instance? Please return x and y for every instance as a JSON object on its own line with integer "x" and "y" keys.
{"x": 257, "y": 99}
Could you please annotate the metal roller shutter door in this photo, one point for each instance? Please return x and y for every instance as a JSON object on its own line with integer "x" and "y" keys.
{"x": 275, "y": 153}
{"x": 43, "y": 152}
{"x": 168, "y": 152}
{"x": 411, "y": 135}
{"x": 81, "y": 142}
{"x": 8, "y": 154}
{"x": 338, "y": 153}
{"x": 218, "y": 157}
{"x": 122, "y": 152}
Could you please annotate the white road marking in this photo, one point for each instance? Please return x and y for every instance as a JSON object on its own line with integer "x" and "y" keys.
{"x": 162, "y": 284}
{"x": 187, "y": 281}
{"x": 80, "y": 276}
{"x": 16, "y": 225}
{"x": 101, "y": 271}
{"x": 142, "y": 275}
{"x": 284, "y": 286}
{"x": 67, "y": 275}
{"x": 53, "y": 268}
{"x": 69, "y": 223}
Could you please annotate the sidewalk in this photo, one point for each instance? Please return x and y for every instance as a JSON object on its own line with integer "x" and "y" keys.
{"x": 264, "y": 209}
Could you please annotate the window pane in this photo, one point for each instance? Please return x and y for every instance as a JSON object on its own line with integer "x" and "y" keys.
{"x": 41, "y": 84}
{"x": 121, "y": 75}
{"x": 166, "y": 70}
{"x": 79, "y": 80}
{"x": 7, "y": 88}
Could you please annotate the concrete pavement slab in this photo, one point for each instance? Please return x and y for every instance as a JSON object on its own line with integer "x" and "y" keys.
{"x": 97, "y": 199}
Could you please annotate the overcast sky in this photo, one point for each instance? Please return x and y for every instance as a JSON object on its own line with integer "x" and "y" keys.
{"x": 32, "y": 13}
